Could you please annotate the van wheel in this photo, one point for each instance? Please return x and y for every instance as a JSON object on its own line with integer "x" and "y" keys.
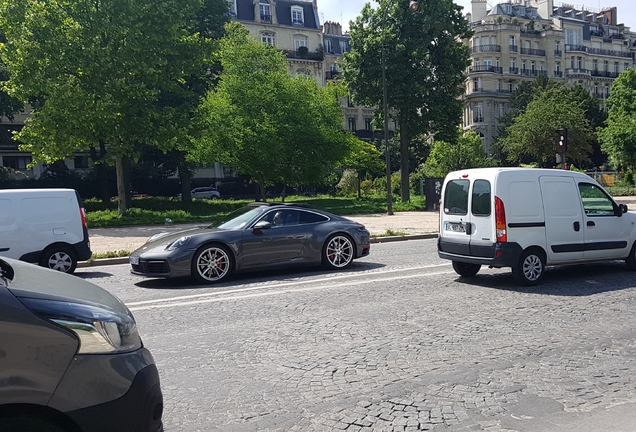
{"x": 60, "y": 258}
{"x": 530, "y": 269}
{"x": 630, "y": 261}
{"x": 465, "y": 269}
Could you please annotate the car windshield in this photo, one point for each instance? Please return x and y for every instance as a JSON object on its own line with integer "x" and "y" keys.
{"x": 237, "y": 219}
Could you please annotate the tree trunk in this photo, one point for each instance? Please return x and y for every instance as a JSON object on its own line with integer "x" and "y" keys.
{"x": 404, "y": 162}
{"x": 261, "y": 186}
{"x": 127, "y": 183}
{"x": 102, "y": 171}
{"x": 121, "y": 185}
{"x": 359, "y": 189}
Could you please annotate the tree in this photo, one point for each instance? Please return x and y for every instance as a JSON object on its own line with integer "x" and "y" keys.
{"x": 425, "y": 62}
{"x": 445, "y": 157}
{"x": 102, "y": 73}
{"x": 265, "y": 123}
{"x": 618, "y": 138}
{"x": 533, "y": 133}
{"x": 365, "y": 159}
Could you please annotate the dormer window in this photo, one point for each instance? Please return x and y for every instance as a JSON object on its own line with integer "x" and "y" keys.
{"x": 266, "y": 13}
{"x": 344, "y": 46}
{"x": 297, "y": 16}
{"x": 232, "y": 11}
{"x": 507, "y": 8}
{"x": 329, "y": 46}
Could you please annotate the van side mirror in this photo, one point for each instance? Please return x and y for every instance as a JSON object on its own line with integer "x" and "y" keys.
{"x": 622, "y": 208}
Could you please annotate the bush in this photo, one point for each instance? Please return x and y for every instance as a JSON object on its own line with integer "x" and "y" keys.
{"x": 348, "y": 185}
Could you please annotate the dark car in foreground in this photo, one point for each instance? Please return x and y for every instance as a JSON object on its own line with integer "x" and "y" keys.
{"x": 257, "y": 236}
{"x": 71, "y": 359}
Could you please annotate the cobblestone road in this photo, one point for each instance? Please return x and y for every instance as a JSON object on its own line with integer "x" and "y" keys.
{"x": 398, "y": 343}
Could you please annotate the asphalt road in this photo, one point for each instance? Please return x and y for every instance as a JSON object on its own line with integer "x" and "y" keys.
{"x": 398, "y": 342}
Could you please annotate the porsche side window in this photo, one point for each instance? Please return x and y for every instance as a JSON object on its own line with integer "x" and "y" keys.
{"x": 595, "y": 201}
{"x": 309, "y": 217}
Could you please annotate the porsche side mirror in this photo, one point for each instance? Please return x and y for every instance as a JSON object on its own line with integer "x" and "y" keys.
{"x": 262, "y": 225}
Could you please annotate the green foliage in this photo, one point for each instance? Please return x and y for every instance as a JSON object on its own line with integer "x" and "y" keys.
{"x": 364, "y": 158}
{"x": 446, "y": 157}
{"x": 348, "y": 185}
{"x": 618, "y": 139}
{"x": 265, "y": 123}
{"x": 533, "y": 133}
{"x": 424, "y": 62}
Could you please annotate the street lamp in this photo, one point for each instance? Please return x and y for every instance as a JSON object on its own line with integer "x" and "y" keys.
{"x": 414, "y": 6}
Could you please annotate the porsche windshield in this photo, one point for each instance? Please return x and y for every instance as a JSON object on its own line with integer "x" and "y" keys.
{"x": 238, "y": 218}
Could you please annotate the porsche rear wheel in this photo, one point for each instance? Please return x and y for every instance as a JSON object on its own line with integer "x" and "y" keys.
{"x": 338, "y": 252}
{"x": 211, "y": 263}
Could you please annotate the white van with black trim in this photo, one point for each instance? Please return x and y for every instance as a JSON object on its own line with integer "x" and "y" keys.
{"x": 44, "y": 226}
{"x": 528, "y": 219}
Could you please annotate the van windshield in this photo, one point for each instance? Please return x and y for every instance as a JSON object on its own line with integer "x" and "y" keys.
{"x": 456, "y": 197}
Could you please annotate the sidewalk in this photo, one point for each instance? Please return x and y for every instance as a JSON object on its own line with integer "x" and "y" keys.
{"x": 130, "y": 238}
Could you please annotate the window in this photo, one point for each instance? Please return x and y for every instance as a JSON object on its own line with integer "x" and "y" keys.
{"x": 16, "y": 162}
{"x": 532, "y": 66}
{"x": 513, "y": 41}
{"x": 305, "y": 72}
{"x": 266, "y": 14}
{"x": 232, "y": 11}
{"x": 333, "y": 67}
{"x": 480, "y": 205}
{"x": 456, "y": 197}
{"x": 299, "y": 41}
{"x": 350, "y": 101}
{"x": 616, "y": 67}
{"x": 269, "y": 38}
{"x": 606, "y": 66}
{"x": 488, "y": 62}
{"x": 281, "y": 218}
{"x": 595, "y": 65}
{"x": 81, "y": 162}
{"x": 513, "y": 63}
{"x": 502, "y": 110}
{"x": 309, "y": 217}
{"x": 595, "y": 201}
{"x": 329, "y": 46}
{"x": 523, "y": 65}
{"x": 297, "y": 16}
{"x": 557, "y": 47}
{"x": 557, "y": 66}
{"x": 344, "y": 46}
{"x": 352, "y": 124}
{"x": 479, "y": 112}
{"x": 368, "y": 123}
{"x": 573, "y": 37}
{"x": 541, "y": 67}
{"x": 579, "y": 62}
{"x": 511, "y": 86}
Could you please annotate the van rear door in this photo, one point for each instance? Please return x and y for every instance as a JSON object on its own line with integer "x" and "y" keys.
{"x": 455, "y": 217}
{"x": 563, "y": 219}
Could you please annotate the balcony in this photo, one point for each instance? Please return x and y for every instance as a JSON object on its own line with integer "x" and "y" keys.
{"x": 575, "y": 72}
{"x": 529, "y": 72}
{"x": 513, "y": 70}
{"x": 579, "y": 48}
{"x": 601, "y": 51}
{"x": 604, "y": 74}
{"x": 485, "y": 68}
{"x": 332, "y": 74}
{"x": 485, "y": 49}
{"x": 533, "y": 52}
{"x": 318, "y": 55}
{"x": 558, "y": 53}
{"x": 558, "y": 74}
{"x": 298, "y": 23}
{"x": 266, "y": 18}
{"x": 513, "y": 48}
{"x": 506, "y": 91}
{"x": 478, "y": 119}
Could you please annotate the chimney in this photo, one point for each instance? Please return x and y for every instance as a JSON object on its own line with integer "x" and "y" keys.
{"x": 479, "y": 9}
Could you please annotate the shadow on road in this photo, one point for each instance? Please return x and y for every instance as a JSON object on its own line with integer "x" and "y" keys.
{"x": 92, "y": 274}
{"x": 257, "y": 277}
{"x": 575, "y": 280}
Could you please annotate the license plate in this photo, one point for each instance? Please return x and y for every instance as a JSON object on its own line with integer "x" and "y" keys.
{"x": 134, "y": 260}
{"x": 455, "y": 227}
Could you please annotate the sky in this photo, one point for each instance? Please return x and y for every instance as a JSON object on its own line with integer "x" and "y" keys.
{"x": 343, "y": 11}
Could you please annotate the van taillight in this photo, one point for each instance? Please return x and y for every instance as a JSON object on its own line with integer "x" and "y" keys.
{"x": 500, "y": 220}
{"x": 83, "y": 215}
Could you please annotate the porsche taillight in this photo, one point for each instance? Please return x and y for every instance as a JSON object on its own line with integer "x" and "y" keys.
{"x": 500, "y": 220}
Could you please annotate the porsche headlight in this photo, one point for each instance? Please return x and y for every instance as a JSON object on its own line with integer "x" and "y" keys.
{"x": 99, "y": 330}
{"x": 178, "y": 243}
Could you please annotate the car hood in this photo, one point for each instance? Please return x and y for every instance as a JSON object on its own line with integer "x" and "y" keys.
{"x": 166, "y": 238}
{"x": 31, "y": 281}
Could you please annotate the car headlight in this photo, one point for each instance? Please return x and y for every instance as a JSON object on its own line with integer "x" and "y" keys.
{"x": 178, "y": 243}
{"x": 99, "y": 329}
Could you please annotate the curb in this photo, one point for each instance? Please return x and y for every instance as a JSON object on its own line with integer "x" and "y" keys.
{"x": 387, "y": 239}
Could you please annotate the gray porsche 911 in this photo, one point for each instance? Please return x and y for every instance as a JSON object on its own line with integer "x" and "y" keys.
{"x": 257, "y": 236}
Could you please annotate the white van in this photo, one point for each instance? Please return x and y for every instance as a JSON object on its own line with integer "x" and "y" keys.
{"x": 44, "y": 226}
{"x": 527, "y": 219}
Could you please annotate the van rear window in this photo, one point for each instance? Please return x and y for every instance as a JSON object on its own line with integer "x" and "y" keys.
{"x": 456, "y": 197}
{"x": 481, "y": 198}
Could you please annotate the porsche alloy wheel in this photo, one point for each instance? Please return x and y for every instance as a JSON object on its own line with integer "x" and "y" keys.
{"x": 338, "y": 252}
{"x": 211, "y": 264}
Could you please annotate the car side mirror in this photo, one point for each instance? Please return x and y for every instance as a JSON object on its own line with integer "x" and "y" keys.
{"x": 262, "y": 225}
{"x": 622, "y": 208}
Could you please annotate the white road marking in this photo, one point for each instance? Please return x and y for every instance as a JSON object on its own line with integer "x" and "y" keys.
{"x": 285, "y": 284}
{"x": 285, "y": 291}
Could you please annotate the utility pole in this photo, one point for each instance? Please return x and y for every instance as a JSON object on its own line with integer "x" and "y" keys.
{"x": 562, "y": 147}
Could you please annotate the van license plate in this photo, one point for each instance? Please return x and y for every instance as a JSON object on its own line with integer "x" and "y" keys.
{"x": 134, "y": 260}
{"x": 455, "y": 227}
